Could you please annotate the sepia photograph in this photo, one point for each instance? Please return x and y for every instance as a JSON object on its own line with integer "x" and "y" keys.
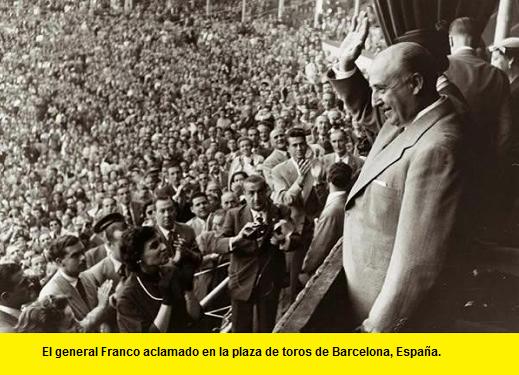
{"x": 259, "y": 166}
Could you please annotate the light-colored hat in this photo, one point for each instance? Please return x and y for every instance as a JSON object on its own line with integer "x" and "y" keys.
{"x": 503, "y": 45}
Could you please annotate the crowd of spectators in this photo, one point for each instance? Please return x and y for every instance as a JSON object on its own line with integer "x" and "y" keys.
{"x": 102, "y": 109}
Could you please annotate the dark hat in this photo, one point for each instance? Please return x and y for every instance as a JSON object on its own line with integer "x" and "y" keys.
{"x": 153, "y": 171}
{"x": 108, "y": 220}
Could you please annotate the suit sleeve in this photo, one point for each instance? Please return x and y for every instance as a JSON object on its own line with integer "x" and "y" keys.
{"x": 90, "y": 278}
{"x": 128, "y": 317}
{"x": 284, "y": 193}
{"x": 326, "y": 233}
{"x": 356, "y": 94}
{"x": 427, "y": 227}
{"x": 504, "y": 125}
{"x": 228, "y": 231}
{"x": 98, "y": 314}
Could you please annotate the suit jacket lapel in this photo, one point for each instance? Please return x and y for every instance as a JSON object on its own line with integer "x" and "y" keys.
{"x": 133, "y": 210}
{"x": 161, "y": 234}
{"x": 385, "y": 154}
{"x": 75, "y": 297}
{"x": 246, "y": 216}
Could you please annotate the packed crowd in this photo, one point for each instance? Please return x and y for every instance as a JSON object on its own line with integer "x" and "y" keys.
{"x": 105, "y": 113}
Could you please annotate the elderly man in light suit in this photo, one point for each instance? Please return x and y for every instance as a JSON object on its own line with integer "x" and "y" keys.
{"x": 278, "y": 155}
{"x": 402, "y": 231}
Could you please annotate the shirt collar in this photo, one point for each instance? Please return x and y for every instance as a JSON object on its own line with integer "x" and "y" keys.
{"x": 115, "y": 262}
{"x": 71, "y": 280}
{"x": 427, "y": 109}
{"x": 296, "y": 165}
{"x": 165, "y": 231}
{"x": 463, "y": 49}
{"x": 344, "y": 159}
{"x": 255, "y": 214}
{"x": 10, "y": 311}
{"x": 335, "y": 194}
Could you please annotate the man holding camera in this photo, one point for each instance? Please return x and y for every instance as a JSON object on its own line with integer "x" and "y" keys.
{"x": 257, "y": 268}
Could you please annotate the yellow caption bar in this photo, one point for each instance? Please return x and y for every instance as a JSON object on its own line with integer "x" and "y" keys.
{"x": 96, "y": 354}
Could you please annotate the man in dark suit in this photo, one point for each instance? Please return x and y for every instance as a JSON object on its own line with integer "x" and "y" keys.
{"x": 486, "y": 90}
{"x": 174, "y": 180}
{"x": 131, "y": 210}
{"x": 180, "y": 238}
{"x": 403, "y": 234}
{"x": 339, "y": 141}
{"x": 217, "y": 173}
{"x": 88, "y": 303}
{"x": 506, "y": 57}
{"x": 15, "y": 290}
{"x": 330, "y": 225}
{"x": 105, "y": 227}
{"x": 257, "y": 265}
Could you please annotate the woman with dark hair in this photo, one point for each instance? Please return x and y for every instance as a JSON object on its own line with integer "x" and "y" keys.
{"x": 236, "y": 184}
{"x": 154, "y": 297}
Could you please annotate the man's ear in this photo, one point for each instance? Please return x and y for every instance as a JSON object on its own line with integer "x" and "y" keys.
{"x": 417, "y": 83}
{"x": 4, "y": 296}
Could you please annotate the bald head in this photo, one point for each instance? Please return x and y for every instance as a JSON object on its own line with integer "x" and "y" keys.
{"x": 408, "y": 58}
{"x": 278, "y": 139}
{"x": 403, "y": 79}
{"x": 464, "y": 32}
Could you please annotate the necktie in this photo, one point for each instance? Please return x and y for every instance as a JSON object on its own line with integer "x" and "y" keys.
{"x": 127, "y": 216}
{"x": 81, "y": 290}
{"x": 260, "y": 220}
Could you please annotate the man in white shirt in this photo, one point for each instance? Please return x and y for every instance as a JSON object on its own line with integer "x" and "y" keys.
{"x": 199, "y": 207}
{"x": 88, "y": 303}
